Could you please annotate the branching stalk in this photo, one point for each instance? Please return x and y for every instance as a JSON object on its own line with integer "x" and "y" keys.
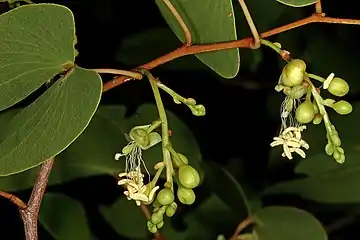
{"x": 256, "y": 44}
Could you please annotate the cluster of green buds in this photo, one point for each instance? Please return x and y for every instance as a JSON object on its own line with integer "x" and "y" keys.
{"x": 303, "y": 104}
{"x": 176, "y": 164}
{"x": 187, "y": 178}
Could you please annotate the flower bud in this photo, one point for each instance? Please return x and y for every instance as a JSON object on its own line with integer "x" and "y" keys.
{"x": 342, "y": 107}
{"x": 317, "y": 119}
{"x": 338, "y": 87}
{"x": 293, "y": 73}
{"x": 140, "y": 136}
{"x": 171, "y": 209}
{"x": 189, "y": 176}
{"x": 186, "y": 196}
{"x": 305, "y": 112}
{"x": 165, "y": 197}
{"x": 156, "y": 218}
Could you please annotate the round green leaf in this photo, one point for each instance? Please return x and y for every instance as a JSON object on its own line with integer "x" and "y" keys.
{"x": 297, "y": 3}
{"x": 284, "y": 223}
{"x": 126, "y": 218}
{"x": 36, "y": 43}
{"x": 64, "y": 218}
{"x": 51, "y": 123}
{"x": 209, "y": 22}
{"x": 92, "y": 153}
{"x": 338, "y": 186}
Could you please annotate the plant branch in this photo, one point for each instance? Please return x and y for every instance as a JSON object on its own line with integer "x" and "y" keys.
{"x": 30, "y": 214}
{"x": 243, "y": 43}
{"x": 318, "y": 8}
{"x": 14, "y": 199}
{"x": 256, "y": 44}
{"x": 164, "y": 130}
{"x": 145, "y": 210}
{"x": 244, "y": 224}
{"x": 186, "y": 31}
{"x": 131, "y": 74}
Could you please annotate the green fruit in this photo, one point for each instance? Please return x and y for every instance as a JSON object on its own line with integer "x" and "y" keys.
{"x": 342, "y": 107}
{"x": 338, "y": 87}
{"x": 293, "y": 73}
{"x": 157, "y": 218}
{"x": 189, "y": 176}
{"x": 186, "y": 196}
{"x": 183, "y": 160}
{"x": 165, "y": 197}
{"x": 305, "y": 112}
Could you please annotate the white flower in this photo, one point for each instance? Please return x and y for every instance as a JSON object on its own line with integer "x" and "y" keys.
{"x": 135, "y": 188}
{"x": 291, "y": 141}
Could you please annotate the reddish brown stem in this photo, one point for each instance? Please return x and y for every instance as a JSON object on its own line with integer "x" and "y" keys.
{"x": 14, "y": 199}
{"x": 158, "y": 235}
{"x": 244, "y": 224}
{"x": 243, "y": 43}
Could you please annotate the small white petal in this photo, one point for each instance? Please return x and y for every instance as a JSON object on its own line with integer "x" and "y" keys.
{"x": 300, "y": 152}
{"x": 287, "y": 152}
{"x": 118, "y": 156}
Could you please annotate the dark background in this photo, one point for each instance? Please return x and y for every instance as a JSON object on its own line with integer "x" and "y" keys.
{"x": 239, "y": 123}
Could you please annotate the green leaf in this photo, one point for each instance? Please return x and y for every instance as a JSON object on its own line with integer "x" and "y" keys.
{"x": 337, "y": 185}
{"x": 92, "y": 153}
{"x": 126, "y": 218}
{"x": 321, "y": 163}
{"x": 208, "y": 22}
{"x": 36, "y": 43}
{"x": 205, "y": 222}
{"x": 284, "y": 223}
{"x": 233, "y": 194}
{"x": 51, "y": 123}
{"x": 134, "y": 51}
{"x": 64, "y": 218}
{"x": 297, "y": 3}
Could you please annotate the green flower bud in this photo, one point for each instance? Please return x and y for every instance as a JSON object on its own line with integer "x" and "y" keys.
{"x": 337, "y": 156}
{"x": 293, "y": 73}
{"x": 171, "y": 209}
{"x": 297, "y": 92}
{"x": 336, "y": 140}
{"x": 165, "y": 197}
{"x": 160, "y": 225}
{"x": 186, "y": 196}
{"x": 157, "y": 218}
{"x": 317, "y": 119}
{"x": 189, "y": 176}
{"x": 329, "y": 149}
{"x": 338, "y": 87}
{"x": 177, "y": 163}
{"x": 342, "y": 107}
{"x": 151, "y": 227}
{"x": 198, "y": 110}
{"x": 140, "y": 136}
{"x": 305, "y": 112}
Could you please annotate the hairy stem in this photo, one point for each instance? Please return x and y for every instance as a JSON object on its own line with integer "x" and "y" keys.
{"x": 164, "y": 129}
{"x": 243, "y": 43}
{"x": 256, "y": 44}
{"x": 180, "y": 20}
{"x": 30, "y": 214}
